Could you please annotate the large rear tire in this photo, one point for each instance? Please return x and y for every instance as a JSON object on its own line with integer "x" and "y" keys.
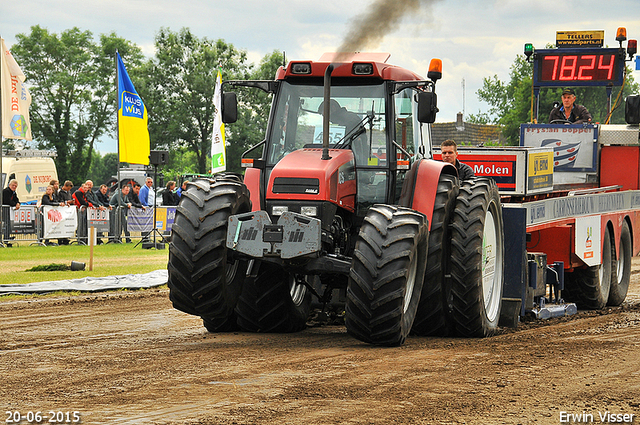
{"x": 274, "y": 301}
{"x": 203, "y": 281}
{"x": 622, "y": 271}
{"x": 431, "y": 316}
{"x": 589, "y": 287}
{"x": 477, "y": 259}
{"x": 387, "y": 274}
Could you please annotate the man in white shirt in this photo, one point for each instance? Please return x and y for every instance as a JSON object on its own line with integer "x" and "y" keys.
{"x": 147, "y": 195}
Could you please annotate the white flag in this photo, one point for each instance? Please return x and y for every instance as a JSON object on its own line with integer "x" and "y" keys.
{"x": 15, "y": 98}
{"x": 218, "y": 149}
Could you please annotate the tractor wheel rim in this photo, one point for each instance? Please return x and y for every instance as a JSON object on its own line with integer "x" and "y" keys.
{"x": 411, "y": 281}
{"x": 491, "y": 270}
{"x": 297, "y": 290}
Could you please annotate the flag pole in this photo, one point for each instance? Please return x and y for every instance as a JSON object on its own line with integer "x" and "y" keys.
{"x": 118, "y": 118}
{"x": 1, "y": 147}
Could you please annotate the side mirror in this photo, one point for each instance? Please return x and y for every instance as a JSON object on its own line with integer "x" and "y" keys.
{"x": 632, "y": 109}
{"x": 229, "y": 108}
{"x": 427, "y": 107}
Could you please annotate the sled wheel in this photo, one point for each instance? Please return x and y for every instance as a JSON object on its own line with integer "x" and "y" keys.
{"x": 622, "y": 271}
{"x": 589, "y": 287}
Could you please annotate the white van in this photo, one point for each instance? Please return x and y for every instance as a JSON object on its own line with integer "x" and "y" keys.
{"x": 34, "y": 170}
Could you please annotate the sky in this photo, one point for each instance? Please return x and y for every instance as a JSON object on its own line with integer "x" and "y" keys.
{"x": 474, "y": 39}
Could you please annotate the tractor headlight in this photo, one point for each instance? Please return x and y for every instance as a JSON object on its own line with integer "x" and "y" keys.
{"x": 310, "y": 211}
{"x": 278, "y": 210}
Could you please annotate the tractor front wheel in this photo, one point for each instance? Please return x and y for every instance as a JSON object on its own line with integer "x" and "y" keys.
{"x": 274, "y": 301}
{"x": 203, "y": 280}
{"x": 387, "y": 274}
{"x": 477, "y": 259}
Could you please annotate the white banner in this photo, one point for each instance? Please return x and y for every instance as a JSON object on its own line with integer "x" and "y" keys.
{"x": 15, "y": 98}
{"x": 218, "y": 141}
{"x": 59, "y": 222}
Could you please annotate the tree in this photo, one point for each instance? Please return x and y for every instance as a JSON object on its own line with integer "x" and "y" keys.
{"x": 511, "y": 102}
{"x": 73, "y": 91}
{"x": 179, "y": 90}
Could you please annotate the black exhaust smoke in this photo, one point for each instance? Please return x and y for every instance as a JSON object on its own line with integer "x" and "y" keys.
{"x": 382, "y": 17}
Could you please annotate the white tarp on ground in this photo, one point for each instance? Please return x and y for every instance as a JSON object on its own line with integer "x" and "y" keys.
{"x": 91, "y": 284}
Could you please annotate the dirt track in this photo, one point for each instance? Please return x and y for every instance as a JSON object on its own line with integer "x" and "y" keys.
{"x": 130, "y": 358}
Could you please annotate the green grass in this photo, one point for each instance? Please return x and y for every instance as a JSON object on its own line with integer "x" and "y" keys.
{"x": 108, "y": 260}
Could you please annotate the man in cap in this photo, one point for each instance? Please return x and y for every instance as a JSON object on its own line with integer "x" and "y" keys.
{"x": 569, "y": 111}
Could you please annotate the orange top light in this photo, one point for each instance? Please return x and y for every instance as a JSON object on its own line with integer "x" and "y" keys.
{"x": 621, "y": 34}
{"x": 435, "y": 65}
{"x": 435, "y": 70}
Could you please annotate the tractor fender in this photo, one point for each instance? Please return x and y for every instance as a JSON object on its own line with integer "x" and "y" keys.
{"x": 422, "y": 180}
{"x": 252, "y": 181}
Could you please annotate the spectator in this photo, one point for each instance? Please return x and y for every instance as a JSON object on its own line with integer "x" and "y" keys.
{"x": 103, "y": 196}
{"x": 182, "y": 189}
{"x": 121, "y": 201}
{"x": 147, "y": 194}
{"x": 169, "y": 197}
{"x": 9, "y": 195}
{"x": 65, "y": 194}
{"x": 92, "y": 197}
{"x": 56, "y": 189}
{"x": 449, "y": 151}
{"x": 135, "y": 199}
{"x": 80, "y": 197}
{"x": 9, "y": 199}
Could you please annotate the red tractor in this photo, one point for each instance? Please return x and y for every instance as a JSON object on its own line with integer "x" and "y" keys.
{"x": 342, "y": 197}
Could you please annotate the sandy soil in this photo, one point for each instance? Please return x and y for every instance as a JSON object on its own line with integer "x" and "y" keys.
{"x": 130, "y": 358}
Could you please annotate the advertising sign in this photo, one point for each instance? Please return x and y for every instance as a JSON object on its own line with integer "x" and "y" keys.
{"x": 59, "y": 222}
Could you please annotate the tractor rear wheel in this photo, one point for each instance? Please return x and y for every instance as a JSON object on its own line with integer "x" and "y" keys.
{"x": 622, "y": 271}
{"x": 477, "y": 259}
{"x": 387, "y": 274}
{"x": 274, "y": 301}
{"x": 589, "y": 287}
{"x": 431, "y": 317}
{"x": 203, "y": 280}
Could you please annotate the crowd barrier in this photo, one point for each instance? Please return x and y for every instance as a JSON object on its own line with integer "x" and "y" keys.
{"x": 46, "y": 224}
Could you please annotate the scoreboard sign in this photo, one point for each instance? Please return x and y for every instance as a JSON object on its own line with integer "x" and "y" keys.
{"x": 578, "y": 67}
{"x": 516, "y": 170}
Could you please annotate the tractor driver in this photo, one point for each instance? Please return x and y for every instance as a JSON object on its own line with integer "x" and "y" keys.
{"x": 449, "y": 151}
{"x": 569, "y": 112}
{"x": 351, "y": 121}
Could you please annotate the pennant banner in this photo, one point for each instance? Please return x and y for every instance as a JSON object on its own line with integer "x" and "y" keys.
{"x": 218, "y": 148}
{"x": 133, "y": 145}
{"x": 15, "y": 99}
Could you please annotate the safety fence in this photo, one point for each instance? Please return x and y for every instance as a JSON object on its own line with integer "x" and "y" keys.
{"x": 42, "y": 224}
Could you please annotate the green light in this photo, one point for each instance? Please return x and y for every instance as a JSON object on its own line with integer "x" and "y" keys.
{"x": 528, "y": 50}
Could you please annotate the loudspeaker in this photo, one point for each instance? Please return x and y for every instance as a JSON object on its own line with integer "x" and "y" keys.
{"x": 632, "y": 109}
{"x": 158, "y": 157}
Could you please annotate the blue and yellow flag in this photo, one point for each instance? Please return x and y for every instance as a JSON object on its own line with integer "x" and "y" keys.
{"x": 133, "y": 145}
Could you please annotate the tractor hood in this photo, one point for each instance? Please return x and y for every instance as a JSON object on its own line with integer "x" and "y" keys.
{"x": 304, "y": 175}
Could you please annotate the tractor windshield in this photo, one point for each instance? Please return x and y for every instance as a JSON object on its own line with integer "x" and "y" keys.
{"x": 357, "y": 121}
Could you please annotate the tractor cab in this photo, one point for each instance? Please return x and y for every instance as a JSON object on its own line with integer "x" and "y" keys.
{"x": 375, "y": 111}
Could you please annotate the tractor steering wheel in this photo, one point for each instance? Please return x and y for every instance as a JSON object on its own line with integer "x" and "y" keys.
{"x": 560, "y": 121}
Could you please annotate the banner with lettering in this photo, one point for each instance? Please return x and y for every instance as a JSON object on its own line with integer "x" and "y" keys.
{"x": 133, "y": 145}
{"x": 59, "y": 222}
{"x": 139, "y": 220}
{"x": 15, "y": 98}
